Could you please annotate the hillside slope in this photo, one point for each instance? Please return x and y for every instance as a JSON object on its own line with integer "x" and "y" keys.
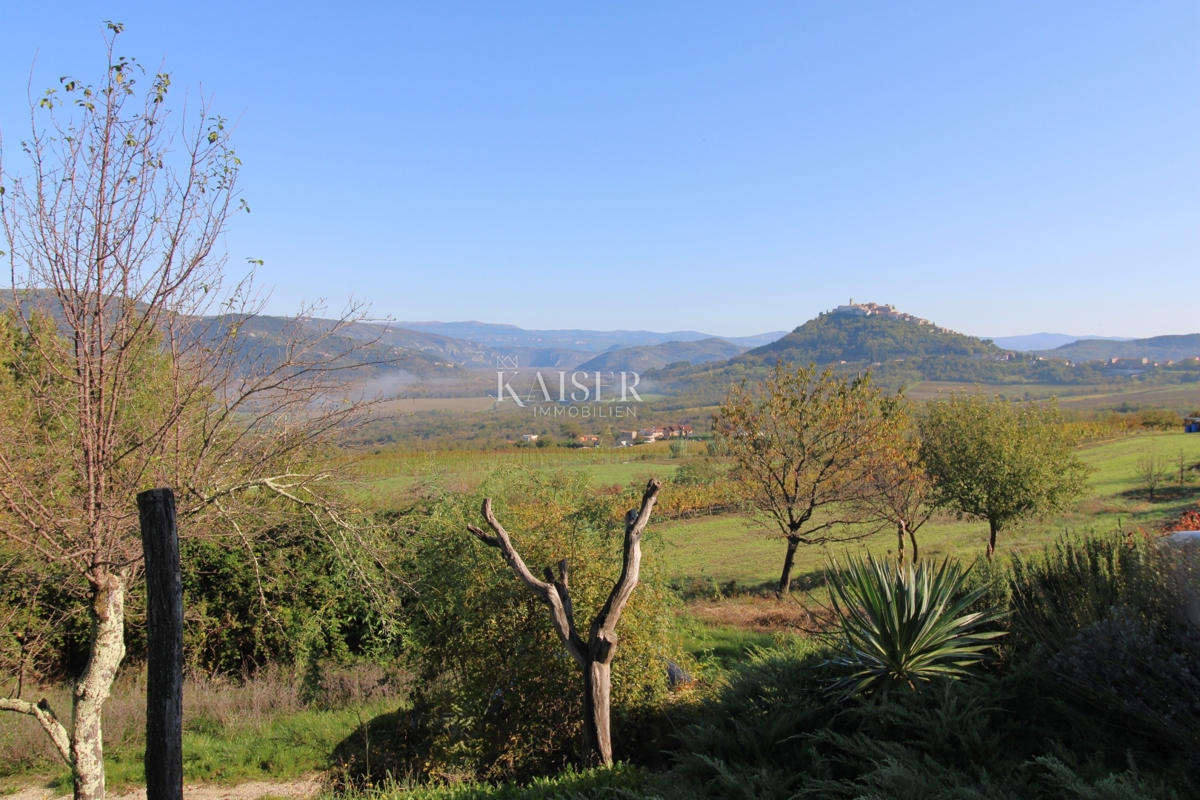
{"x": 1156, "y": 348}
{"x": 655, "y": 356}
{"x": 897, "y": 352}
{"x": 831, "y": 338}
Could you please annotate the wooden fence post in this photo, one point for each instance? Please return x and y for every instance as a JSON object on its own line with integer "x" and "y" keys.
{"x": 164, "y": 645}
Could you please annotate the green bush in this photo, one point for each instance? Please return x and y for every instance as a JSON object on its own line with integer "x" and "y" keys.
{"x": 1105, "y": 612}
{"x": 1094, "y": 695}
{"x": 773, "y": 731}
{"x": 495, "y": 694}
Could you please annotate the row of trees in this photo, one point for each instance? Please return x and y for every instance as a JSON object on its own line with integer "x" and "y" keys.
{"x": 826, "y": 457}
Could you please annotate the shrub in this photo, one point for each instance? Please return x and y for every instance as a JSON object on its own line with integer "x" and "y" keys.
{"x": 773, "y": 732}
{"x": 903, "y": 625}
{"x": 1107, "y": 613}
{"x": 495, "y": 693}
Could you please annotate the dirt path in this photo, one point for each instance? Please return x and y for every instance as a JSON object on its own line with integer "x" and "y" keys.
{"x": 300, "y": 789}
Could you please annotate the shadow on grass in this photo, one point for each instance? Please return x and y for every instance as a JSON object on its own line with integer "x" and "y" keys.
{"x": 1163, "y": 494}
{"x": 690, "y": 588}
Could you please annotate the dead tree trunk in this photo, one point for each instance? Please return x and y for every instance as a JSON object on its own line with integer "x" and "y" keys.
{"x": 164, "y": 645}
{"x": 594, "y": 656}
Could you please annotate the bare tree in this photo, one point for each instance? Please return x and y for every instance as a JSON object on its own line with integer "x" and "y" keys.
{"x": 595, "y": 655}
{"x": 1152, "y": 471}
{"x": 126, "y": 362}
{"x": 803, "y": 445}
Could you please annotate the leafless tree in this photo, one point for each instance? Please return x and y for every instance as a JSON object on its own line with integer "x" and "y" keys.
{"x": 595, "y": 654}
{"x": 1152, "y": 471}
{"x": 127, "y": 364}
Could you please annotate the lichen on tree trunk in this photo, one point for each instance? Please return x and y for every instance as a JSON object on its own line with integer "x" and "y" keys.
{"x": 93, "y": 687}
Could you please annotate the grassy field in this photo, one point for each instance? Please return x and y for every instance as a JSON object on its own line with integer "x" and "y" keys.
{"x": 734, "y": 548}
{"x": 386, "y": 472}
{"x": 1181, "y": 397}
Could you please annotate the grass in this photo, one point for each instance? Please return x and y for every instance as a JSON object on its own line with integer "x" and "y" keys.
{"x": 386, "y": 473}
{"x": 234, "y": 731}
{"x": 730, "y": 548}
{"x": 619, "y": 780}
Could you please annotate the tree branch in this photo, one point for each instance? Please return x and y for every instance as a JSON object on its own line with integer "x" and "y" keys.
{"x": 603, "y": 634}
{"x": 554, "y": 594}
{"x": 48, "y": 719}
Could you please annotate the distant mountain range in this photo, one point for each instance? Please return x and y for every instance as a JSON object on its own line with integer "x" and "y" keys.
{"x": 582, "y": 340}
{"x": 1045, "y": 341}
{"x": 533, "y": 349}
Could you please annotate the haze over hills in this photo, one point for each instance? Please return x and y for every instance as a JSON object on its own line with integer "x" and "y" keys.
{"x": 582, "y": 340}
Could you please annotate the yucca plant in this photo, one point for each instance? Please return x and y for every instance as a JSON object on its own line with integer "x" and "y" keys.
{"x": 901, "y": 625}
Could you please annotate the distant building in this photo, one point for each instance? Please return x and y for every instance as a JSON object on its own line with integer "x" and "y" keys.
{"x": 879, "y": 310}
{"x": 626, "y": 438}
{"x": 651, "y": 434}
{"x": 677, "y": 431}
{"x": 529, "y": 437}
{"x": 589, "y": 439}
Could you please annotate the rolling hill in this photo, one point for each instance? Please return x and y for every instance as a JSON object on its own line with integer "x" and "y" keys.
{"x": 1045, "y": 341}
{"x": 1156, "y": 348}
{"x": 832, "y": 338}
{"x": 654, "y": 356}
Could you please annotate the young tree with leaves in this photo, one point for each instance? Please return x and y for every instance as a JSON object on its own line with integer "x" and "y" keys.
{"x": 123, "y": 364}
{"x": 1000, "y": 461}
{"x": 803, "y": 444}
{"x": 898, "y": 489}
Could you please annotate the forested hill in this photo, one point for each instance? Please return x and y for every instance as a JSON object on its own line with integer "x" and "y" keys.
{"x": 832, "y": 338}
{"x": 1156, "y": 348}
{"x": 897, "y": 351}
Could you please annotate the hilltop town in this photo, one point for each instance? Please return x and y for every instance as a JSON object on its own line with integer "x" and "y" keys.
{"x": 879, "y": 310}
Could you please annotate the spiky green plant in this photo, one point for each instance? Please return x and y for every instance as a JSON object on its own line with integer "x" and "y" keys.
{"x": 902, "y": 625}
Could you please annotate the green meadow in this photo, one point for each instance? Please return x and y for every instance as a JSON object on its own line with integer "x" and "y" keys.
{"x": 737, "y": 548}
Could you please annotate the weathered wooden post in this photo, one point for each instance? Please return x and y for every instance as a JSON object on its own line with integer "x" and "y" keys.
{"x": 164, "y": 644}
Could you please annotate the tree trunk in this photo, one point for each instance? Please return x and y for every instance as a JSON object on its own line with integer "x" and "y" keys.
{"x": 597, "y": 696}
{"x": 993, "y": 529}
{"x": 912, "y": 537}
{"x": 92, "y": 689}
{"x": 164, "y": 645}
{"x": 785, "y": 580}
{"x": 900, "y": 529}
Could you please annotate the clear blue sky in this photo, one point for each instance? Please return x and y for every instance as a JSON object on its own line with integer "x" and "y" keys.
{"x": 999, "y": 167}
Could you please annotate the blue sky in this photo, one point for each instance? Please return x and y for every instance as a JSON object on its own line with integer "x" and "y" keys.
{"x": 1001, "y": 168}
